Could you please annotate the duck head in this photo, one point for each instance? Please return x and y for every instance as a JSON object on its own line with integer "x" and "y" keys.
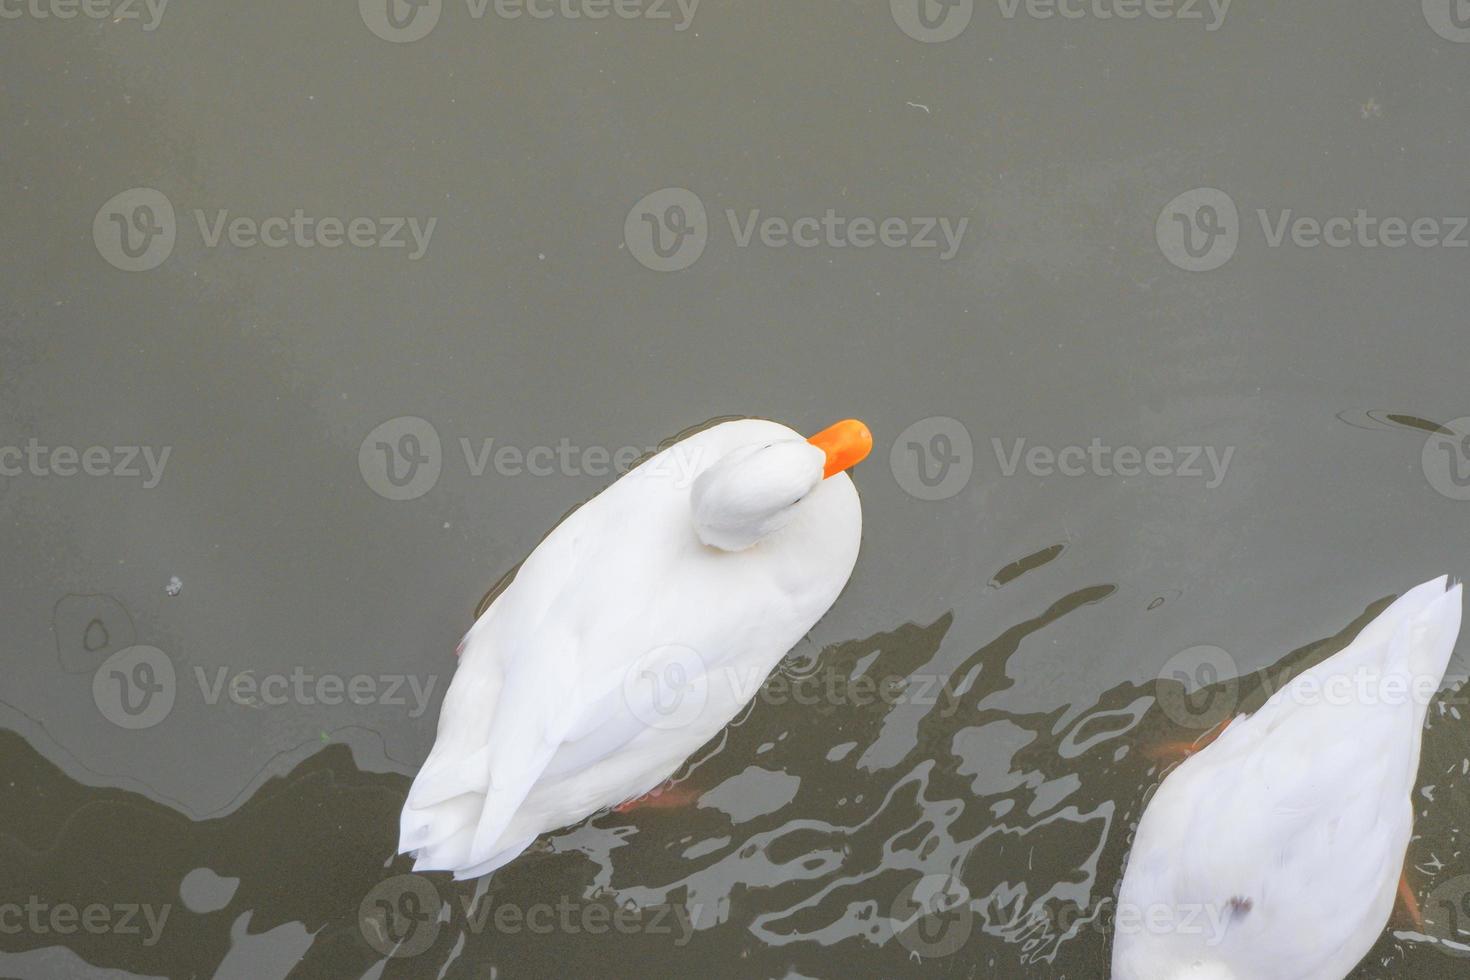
{"x": 755, "y": 490}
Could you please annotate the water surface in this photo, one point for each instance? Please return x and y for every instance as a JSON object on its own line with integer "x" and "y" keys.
{"x": 1019, "y": 618}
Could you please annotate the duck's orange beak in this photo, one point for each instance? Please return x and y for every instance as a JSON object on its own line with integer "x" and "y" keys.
{"x": 846, "y": 444}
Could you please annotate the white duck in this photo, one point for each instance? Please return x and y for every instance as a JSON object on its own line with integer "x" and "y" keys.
{"x": 1275, "y": 852}
{"x": 632, "y": 634}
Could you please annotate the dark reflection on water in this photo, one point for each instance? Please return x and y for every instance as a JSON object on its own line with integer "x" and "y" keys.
{"x": 860, "y": 773}
{"x": 1378, "y": 419}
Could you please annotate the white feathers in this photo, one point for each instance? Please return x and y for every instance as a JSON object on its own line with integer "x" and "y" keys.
{"x": 753, "y": 491}
{"x": 624, "y": 642}
{"x": 1275, "y": 852}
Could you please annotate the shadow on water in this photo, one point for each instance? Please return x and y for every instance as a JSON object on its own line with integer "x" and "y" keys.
{"x": 864, "y": 784}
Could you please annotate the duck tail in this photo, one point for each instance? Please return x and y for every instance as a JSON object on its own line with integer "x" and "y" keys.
{"x": 498, "y": 730}
{"x": 1427, "y": 640}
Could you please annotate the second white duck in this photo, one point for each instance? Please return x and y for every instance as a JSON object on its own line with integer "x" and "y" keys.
{"x": 1275, "y": 852}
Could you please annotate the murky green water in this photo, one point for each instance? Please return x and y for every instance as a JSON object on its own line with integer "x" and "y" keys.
{"x": 1131, "y": 422}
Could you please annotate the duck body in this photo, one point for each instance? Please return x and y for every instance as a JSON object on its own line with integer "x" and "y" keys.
{"x": 1275, "y": 852}
{"x": 623, "y": 644}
